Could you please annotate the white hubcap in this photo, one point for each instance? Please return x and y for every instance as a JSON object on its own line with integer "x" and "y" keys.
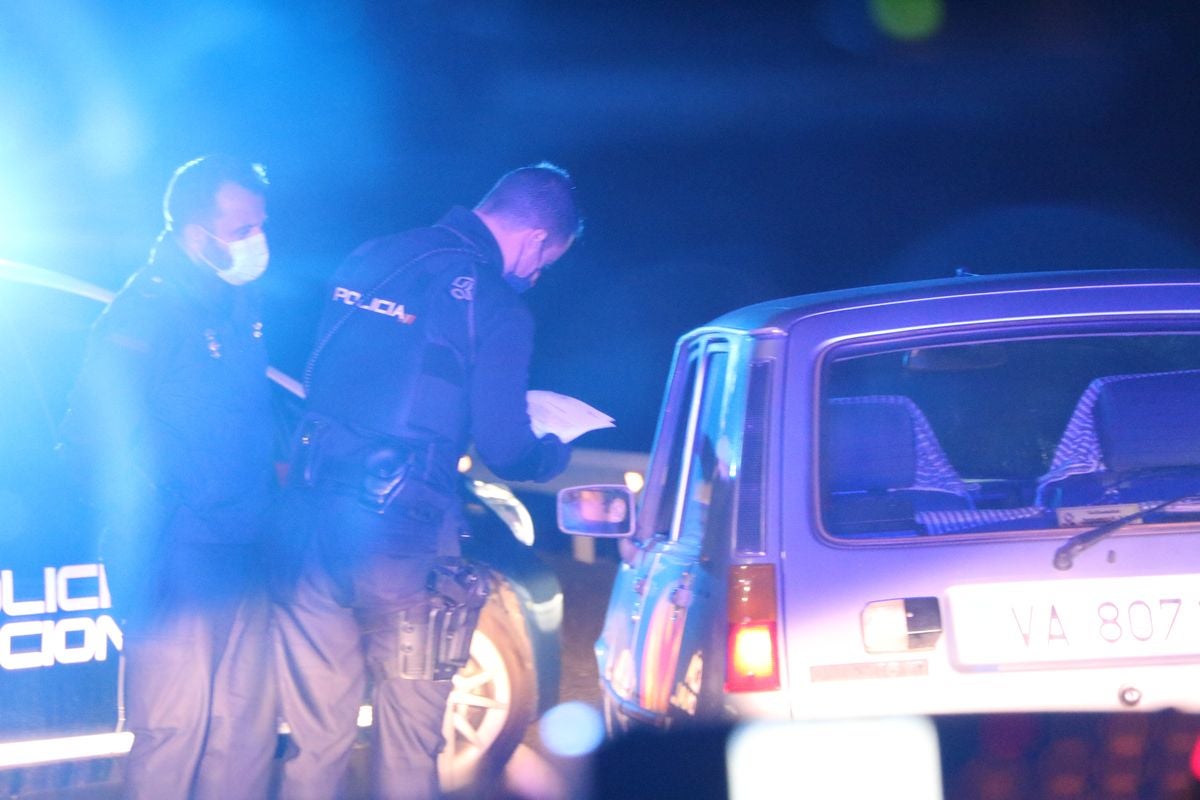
{"x": 478, "y": 708}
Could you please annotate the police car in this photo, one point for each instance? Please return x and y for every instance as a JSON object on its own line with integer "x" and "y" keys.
{"x": 61, "y": 720}
{"x": 970, "y": 495}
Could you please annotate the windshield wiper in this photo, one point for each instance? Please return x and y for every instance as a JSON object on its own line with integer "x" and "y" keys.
{"x": 1064, "y": 556}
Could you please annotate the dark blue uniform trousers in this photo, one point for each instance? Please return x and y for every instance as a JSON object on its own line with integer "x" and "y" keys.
{"x": 199, "y": 689}
{"x": 338, "y": 625}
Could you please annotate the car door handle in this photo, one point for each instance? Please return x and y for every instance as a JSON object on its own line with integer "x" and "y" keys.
{"x": 681, "y": 596}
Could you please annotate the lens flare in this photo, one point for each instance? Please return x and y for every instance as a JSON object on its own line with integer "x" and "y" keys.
{"x": 571, "y": 729}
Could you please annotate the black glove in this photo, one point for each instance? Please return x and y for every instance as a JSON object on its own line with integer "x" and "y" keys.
{"x": 555, "y": 455}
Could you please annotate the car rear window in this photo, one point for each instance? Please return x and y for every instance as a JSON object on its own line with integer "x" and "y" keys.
{"x": 999, "y": 435}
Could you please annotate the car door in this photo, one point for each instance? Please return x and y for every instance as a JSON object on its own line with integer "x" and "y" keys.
{"x": 59, "y": 636}
{"x": 661, "y": 612}
{"x": 615, "y": 649}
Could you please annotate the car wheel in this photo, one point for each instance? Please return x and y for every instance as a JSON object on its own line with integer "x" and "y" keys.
{"x": 494, "y": 696}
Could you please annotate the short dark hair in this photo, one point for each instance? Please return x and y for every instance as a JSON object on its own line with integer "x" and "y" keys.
{"x": 191, "y": 192}
{"x": 537, "y": 196}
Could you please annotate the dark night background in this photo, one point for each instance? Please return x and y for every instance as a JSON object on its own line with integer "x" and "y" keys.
{"x": 725, "y": 153}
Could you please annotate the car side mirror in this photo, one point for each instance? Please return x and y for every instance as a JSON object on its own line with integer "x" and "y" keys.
{"x": 599, "y": 510}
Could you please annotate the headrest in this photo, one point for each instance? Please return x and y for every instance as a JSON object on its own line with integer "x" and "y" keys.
{"x": 868, "y": 447}
{"x": 1149, "y": 421}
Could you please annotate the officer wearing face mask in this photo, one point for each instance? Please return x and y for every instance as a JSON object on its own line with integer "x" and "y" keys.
{"x": 169, "y": 435}
{"x": 423, "y": 348}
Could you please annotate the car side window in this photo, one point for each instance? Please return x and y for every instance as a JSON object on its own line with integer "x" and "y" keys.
{"x": 708, "y": 452}
{"x": 44, "y": 334}
{"x": 678, "y": 414}
{"x": 696, "y": 450}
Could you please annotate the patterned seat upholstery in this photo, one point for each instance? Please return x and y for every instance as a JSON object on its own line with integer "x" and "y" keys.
{"x": 1131, "y": 438}
{"x": 880, "y": 458}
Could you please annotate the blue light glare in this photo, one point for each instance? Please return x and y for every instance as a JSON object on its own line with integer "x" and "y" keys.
{"x": 571, "y": 729}
{"x": 115, "y": 137}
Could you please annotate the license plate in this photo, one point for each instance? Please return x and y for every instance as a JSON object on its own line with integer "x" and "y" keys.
{"x": 1044, "y": 623}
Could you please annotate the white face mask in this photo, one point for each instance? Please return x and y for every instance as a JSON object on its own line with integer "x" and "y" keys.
{"x": 247, "y": 259}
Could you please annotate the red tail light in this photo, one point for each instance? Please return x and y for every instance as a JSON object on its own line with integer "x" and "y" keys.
{"x": 752, "y": 649}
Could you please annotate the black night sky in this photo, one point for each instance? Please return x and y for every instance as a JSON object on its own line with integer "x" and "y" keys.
{"x": 725, "y": 153}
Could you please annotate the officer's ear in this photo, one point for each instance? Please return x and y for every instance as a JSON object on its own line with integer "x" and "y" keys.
{"x": 533, "y": 241}
{"x": 525, "y": 245}
{"x": 191, "y": 240}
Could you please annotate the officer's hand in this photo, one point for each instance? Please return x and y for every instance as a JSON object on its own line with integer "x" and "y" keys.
{"x": 555, "y": 456}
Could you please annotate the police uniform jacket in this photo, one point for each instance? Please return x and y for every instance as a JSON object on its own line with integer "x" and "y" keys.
{"x": 170, "y": 419}
{"x": 423, "y": 341}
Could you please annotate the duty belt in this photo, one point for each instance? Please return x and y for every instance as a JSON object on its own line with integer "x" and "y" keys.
{"x": 328, "y": 453}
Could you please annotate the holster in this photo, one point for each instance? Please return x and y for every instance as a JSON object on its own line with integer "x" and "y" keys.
{"x": 435, "y": 638}
{"x": 385, "y": 475}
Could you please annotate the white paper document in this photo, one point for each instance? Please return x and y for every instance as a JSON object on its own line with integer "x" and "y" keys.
{"x": 565, "y": 417}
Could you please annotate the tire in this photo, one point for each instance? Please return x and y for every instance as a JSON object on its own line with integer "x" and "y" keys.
{"x": 494, "y": 699}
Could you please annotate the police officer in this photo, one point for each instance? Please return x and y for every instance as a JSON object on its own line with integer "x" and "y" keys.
{"x": 423, "y": 347}
{"x": 169, "y": 430}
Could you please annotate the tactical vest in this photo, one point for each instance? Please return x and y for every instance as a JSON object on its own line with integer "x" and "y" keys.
{"x": 394, "y": 351}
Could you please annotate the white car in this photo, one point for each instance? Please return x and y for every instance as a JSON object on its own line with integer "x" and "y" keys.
{"x": 971, "y": 495}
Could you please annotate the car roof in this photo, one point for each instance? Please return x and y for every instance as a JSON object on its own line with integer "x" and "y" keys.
{"x": 776, "y": 316}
